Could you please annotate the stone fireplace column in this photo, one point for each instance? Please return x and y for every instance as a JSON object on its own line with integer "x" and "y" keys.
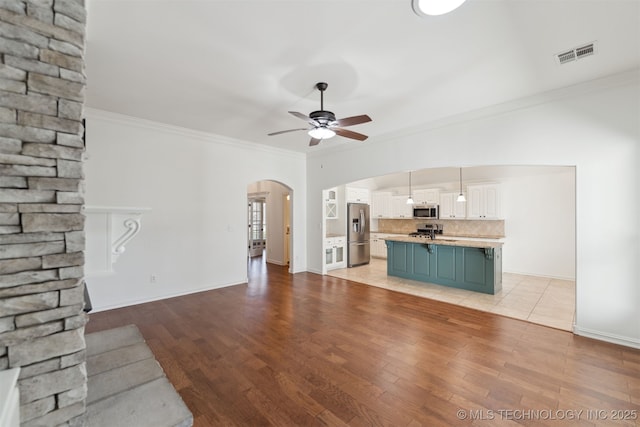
{"x": 42, "y": 321}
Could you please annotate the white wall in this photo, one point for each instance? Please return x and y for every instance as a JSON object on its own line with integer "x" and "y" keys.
{"x": 594, "y": 127}
{"x": 194, "y": 237}
{"x": 540, "y": 222}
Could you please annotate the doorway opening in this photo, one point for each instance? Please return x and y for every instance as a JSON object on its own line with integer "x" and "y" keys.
{"x": 269, "y": 224}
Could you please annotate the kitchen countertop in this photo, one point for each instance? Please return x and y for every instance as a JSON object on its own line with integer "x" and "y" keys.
{"x": 450, "y": 236}
{"x": 446, "y": 241}
{"x": 464, "y": 236}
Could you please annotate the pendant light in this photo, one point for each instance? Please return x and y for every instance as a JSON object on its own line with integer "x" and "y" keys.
{"x": 410, "y": 199}
{"x": 461, "y": 197}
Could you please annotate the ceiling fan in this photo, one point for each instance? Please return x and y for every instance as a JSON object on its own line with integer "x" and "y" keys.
{"x": 324, "y": 124}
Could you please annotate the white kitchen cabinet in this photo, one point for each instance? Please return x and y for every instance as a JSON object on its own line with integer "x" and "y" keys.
{"x": 427, "y": 196}
{"x": 335, "y": 252}
{"x": 381, "y": 204}
{"x": 400, "y": 208}
{"x": 379, "y": 244}
{"x": 451, "y": 208}
{"x": 357, "y": 195}
{"x": 330, "y": 197}
{"x": 378, "y": 247}
{"x": 483, "y": 201}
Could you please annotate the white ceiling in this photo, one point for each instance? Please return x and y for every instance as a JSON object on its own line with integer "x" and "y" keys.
{"x": 234, "y": 68}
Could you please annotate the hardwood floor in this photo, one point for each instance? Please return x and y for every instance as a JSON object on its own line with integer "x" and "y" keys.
{"x": 541, "y": 300}
{"x": 306, "y": 349}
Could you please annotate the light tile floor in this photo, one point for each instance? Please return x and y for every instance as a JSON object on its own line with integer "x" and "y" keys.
{"x": 541, "y": 300}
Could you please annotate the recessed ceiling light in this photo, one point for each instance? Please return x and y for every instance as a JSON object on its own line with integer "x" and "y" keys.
{"x": 434, "y": 7}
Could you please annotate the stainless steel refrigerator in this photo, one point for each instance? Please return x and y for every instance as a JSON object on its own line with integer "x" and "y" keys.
{"x": 358, "y": 252}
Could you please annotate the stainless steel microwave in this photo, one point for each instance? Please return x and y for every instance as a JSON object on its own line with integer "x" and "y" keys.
{"x": 426, "y": 211}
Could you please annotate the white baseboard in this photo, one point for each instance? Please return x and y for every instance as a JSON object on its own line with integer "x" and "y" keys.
{"x": 167, "y": 296}
{"x": 276, "y": 262}
{"x": 603, "y": 336}
{"x": 524, "y": 273}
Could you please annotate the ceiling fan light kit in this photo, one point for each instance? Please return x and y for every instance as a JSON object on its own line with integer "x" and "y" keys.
{"x": 321, "y": 133}
{"x": 434, "y": 7}
{"x": 324, "y": 124}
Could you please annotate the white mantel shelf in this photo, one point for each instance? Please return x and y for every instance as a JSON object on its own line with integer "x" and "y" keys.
{"x": 117, "y": 209}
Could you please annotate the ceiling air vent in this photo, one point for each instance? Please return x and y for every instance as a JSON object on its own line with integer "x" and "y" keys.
{"x": 585, "y": 51}
{"x": 568, "y": 56}
{"x": 576, "y": 53}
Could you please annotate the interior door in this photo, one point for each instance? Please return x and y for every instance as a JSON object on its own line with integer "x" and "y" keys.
{"x": 257, "y": 221}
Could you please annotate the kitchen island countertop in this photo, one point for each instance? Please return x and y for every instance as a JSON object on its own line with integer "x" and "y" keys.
{"x": 447, "y": 241}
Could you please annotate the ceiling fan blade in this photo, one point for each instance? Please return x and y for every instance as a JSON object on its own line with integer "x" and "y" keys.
{"x": 350, "y": 134}
{"x": 300, "y": 115}
{"x": 314, "y": 141}
{"x": 285, "y": 131}
{"x": 354, "y": 120}
{"x": 307, "y": 118}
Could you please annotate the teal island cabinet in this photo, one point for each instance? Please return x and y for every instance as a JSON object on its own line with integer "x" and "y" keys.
{"x": 472, "y": 265}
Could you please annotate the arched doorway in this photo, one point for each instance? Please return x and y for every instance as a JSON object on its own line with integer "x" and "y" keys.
{"x": 269, "y": 223}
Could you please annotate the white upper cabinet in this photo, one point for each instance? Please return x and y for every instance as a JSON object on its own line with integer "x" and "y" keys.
{"x": 428, "y": 196}
{"x": 357, "y": 195}
{"x": 381, "y": 204}
{"x": 451, "y": 208}
{"x": 483, "y": 201}
{"x": 400, "y": 208}
{"x": 330, "y": 197}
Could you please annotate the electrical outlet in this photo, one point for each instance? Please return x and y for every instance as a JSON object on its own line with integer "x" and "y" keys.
{"x": 153, "y": 278}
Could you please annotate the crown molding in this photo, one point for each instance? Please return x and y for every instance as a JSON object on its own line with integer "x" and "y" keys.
{"x": 629, "y": 77}
{"x": 108, "y": 116}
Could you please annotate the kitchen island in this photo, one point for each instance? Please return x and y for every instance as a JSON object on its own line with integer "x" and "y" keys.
{"x": 465, "y": 264}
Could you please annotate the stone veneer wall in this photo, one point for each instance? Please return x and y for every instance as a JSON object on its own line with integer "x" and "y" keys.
{"x": 41, "y": 199}
{"x": 492, "y": 229}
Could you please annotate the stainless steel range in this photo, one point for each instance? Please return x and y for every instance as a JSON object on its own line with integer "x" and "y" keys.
{"x": 428, "y": 231}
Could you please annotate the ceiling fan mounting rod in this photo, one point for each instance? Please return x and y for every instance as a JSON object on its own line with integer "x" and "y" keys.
{"x": 321, "y": 86}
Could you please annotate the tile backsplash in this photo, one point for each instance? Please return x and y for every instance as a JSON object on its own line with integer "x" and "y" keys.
{"x": 451, "y": 227}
